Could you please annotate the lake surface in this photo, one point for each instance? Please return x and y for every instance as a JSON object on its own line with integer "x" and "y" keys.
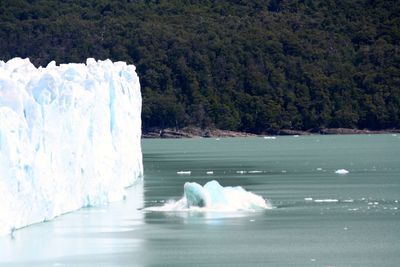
{"x": 320, "y": 218}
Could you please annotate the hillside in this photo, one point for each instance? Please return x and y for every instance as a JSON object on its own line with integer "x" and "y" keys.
{"x": 253, "y": 66}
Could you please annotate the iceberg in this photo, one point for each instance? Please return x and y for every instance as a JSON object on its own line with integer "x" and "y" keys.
{"x": 69, "y": 137}
{"x": 212, "y": 197}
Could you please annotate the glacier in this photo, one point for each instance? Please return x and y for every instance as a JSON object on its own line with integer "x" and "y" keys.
{"x": 212, "y": 197}
{"x": 69, "y": 137}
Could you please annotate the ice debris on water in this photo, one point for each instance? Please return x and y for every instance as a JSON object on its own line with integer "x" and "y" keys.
{"x": 326, "y": 200}
{"x": 342, "y": 171}
{"x": 210, "y": 173}
{"x": 255, "y": 172}
{"x": 69, "y": 137}
{"x": 184, "y": 172}
{"x": 214, "y": 197}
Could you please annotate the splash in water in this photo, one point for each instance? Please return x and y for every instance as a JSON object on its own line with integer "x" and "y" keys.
{"x": 214, "y": 197}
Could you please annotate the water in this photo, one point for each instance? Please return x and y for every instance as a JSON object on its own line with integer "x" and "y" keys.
{"x": 320, "y": 218}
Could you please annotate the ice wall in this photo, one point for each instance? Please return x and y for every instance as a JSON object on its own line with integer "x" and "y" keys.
{"x": 69, "y": 137}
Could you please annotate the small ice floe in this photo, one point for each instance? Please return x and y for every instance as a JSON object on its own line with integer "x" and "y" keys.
{"x": 210, "y": 173}
{"x": 296, "y": 135}
{"x": 184, "y": 172}
{"x": 394, "y": 134}
{"x": 355, "y": 209}
{"x": 217, "y": 139}
{"x": 283, "y": 171}
{"x": 308, "y": 198}
{"x": 326, "y": 200}
{"x": 319, "y": 169}
{"x": 348, "y": 200}
{"x": 255, "y": 171}
{"x": 241, "y": 172}
{"x": 342, "y": 171}
{"x": 270, "y": 137}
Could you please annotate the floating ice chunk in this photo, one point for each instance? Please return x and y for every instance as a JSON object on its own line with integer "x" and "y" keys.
{"x": 296, "y": 135}
{"x": 214, "y": 197}
{"x": 341, "y": 171}
{"x": 210, "y": 173}
{"x": 184, "y": 172}
{"x": 326, "y": 200}
{"x": 308, "y": 198}
{"x": 348, "y": 200}
{"x": 270, "y": 137}
{"x": 319, "y": 169}
{"x": 241, "y": 172}
{"x": 255, "y": 171}
{"x": 196, "y": 195}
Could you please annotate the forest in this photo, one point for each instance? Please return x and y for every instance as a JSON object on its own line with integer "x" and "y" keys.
{"x": 255, "y": 66}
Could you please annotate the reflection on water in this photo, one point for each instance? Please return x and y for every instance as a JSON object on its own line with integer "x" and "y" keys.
{"x": 321, "y": 218}
{"x": 89, "y": 232}
{"x": 198, "y": 217}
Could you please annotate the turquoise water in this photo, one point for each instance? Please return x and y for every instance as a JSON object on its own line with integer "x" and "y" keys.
{"x": 320, "y": 218}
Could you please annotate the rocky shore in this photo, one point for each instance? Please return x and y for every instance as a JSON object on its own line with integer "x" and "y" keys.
{"x": 193, "y": 132}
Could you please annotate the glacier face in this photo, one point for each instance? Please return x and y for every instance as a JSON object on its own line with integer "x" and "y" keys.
{"x": 69, "y": 137}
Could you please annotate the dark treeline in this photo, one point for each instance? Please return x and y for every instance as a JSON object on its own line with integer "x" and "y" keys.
{"x": 246, "y": 65}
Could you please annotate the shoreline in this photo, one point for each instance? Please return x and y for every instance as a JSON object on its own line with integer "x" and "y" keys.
{"x": 195, "y": 132}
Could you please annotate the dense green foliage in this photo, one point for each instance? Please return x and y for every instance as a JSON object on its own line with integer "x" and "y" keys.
{"x": 248, "y": 65}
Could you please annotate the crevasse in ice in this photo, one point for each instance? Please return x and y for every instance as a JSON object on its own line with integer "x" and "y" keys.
{"x": 69, "y": 137}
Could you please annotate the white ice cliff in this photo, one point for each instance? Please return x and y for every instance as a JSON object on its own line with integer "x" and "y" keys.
{"x": 69, "y": 137}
